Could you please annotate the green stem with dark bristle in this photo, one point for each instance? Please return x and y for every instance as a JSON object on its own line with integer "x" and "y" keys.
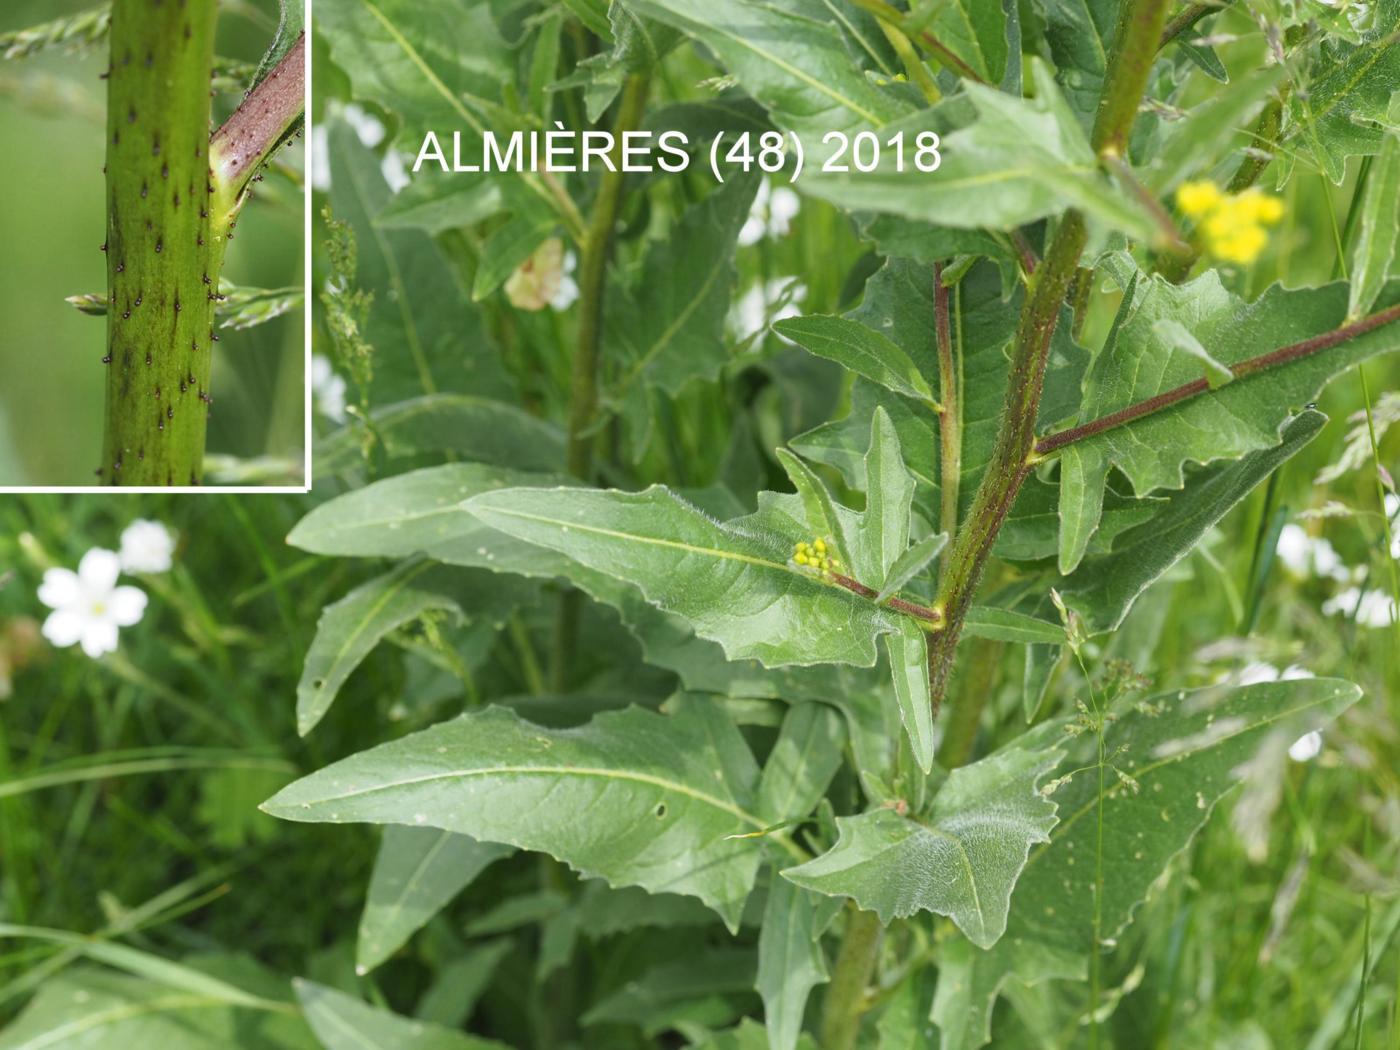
{"x": 173, "y": 196}
{"x": 160, "y": 320}
{"x": 1188, "y": 18}
{"x": 1135, "y": 49}
{"x": 950, "y": 418}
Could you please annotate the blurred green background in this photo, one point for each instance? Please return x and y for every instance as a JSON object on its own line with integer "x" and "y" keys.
{"x": 52, "y": 111}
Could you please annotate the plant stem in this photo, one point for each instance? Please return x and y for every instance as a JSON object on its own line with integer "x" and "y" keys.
{"x": 1079, "y": 293}
{"x": 593, "y": 272}
{"x": 932, "y": 619}
{"x": 845, "y": 996}
{"x": 1266, "y": 131}
{"x": 583, "y": 387}
{"x": 160, "y": 320}
{"x": 1009, "y": 461}
{"x": 940, "y": 51}
{"x": 173, "y": 199}
{"x": 260, "y": 123}
{"x": 964, "y": 719}
{"x": 1135, "y": 49}
{"x": 1168, "y": 237}
{"x": 1250, "y": 366}
{"x": 889, "y": 14}
{"x": 1139, "y": 31}
{"x": 950, "y": 419}
{"x": 913, "y": 65}
{"x": 1189, "y": 16}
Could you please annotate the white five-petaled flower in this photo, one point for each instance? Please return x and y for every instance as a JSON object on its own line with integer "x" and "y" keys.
{"x": 327, "y": 390}
{"x": 88, "y": 606}
{"x": 147, "y": 546}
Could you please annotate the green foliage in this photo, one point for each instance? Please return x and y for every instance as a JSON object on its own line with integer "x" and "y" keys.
{"x": 1172, "y": 758}
{"x": 345, "y": 1023}
{"x": 637, "y": 798}
{"x": 745, "y": 736}
{"x": 733, "y": 582}
{"x": 668, "y": 334}
{"x": 1344, "y": 112}
{"x": 1019, "y": 161}
{"x": 418, "y": 871}
{"x": 1375, "y": 241}
{"x": 1141, "y": 363}
{"x": 107, "y": 1010}
{"x": 711, "y": 573}
{"x": 960, "y": 859}
{"x": 790, "y": 959}
{"x": 859, "y": 350}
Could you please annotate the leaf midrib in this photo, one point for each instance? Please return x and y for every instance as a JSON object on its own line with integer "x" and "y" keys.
{"x": 411, "y": 883}
{"x": 290, "y": 808}
{"x": 798, "y": 74}
{"x": 390, "y": 592}
{"x": 668, "y": 334}
{"x": 421, "y": 64}
{"x": 656, "y": 541}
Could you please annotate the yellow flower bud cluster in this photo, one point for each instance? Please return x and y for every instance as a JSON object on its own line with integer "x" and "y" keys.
{"x": 1231, "y": 224}
{"x": 816, "y": 555}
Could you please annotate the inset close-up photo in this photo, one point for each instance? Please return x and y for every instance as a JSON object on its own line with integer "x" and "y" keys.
{"x": 831, "y": 525}
{"x": 153, "y": 328}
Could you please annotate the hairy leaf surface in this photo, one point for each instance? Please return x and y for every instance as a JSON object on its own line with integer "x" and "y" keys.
{"x": 961, "y": 859}
{"x": 860, "y": 350}
{"x": 426, "y": 336}
{"x": 1103, "y": 588}
{"x": 797, "y": 67}
{"x": 1018, "y": 161}
{"x": 1181, "y": 752}
{"x": 804, "y": 758}
{"x": 666, "y": 327}
{"x": 1344, "y": 111}
{"x": 90, "y": 1007}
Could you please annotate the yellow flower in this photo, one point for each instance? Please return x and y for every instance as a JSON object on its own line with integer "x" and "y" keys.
{"x": 1241, "y": 245}
{"x": 1259, "y": 206}
{"x": 1232, "y": 225}
{"x": 1198, "y": 197}
{"x": 816, "y": 555}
